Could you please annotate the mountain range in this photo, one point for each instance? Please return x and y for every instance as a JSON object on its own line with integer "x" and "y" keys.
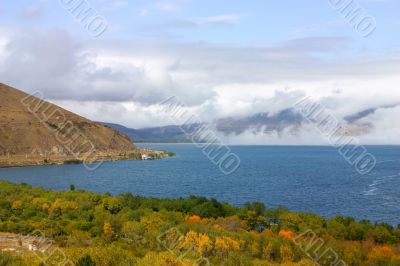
{"x": 288, "y": 120}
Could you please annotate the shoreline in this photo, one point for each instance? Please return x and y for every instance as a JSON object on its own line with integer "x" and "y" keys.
{"x": 12, "y": 161}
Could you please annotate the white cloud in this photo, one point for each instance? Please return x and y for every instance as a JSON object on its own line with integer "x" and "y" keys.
{"x": 221, "y": 19}
{"x": 121, "y": 81}
{"x": 386, "y": 128}
{"x": 167, "y": 6}
{"x": 129, "y": 114}
{"x": 306, "y": 136}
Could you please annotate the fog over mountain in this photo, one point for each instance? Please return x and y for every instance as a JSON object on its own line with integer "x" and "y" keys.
{"x": 263, "y": 127}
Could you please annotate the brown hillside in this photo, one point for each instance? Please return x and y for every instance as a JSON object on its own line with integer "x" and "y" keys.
{"x": 29, "y": 125}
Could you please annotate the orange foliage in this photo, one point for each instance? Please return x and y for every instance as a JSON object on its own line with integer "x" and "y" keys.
{"x": 286, "y": 234}
{"x": 194, "y": 219}
{"x": 217, "y": 226}
{"x": 381, "y": 254}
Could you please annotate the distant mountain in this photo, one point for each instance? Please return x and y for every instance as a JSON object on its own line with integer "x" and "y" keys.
{"x": 360, "y": 115}
{"x": 367, "y": 112}
{"x": 29, "y": 124}
{"x": 261, "y": 122}
{"x": 287, "y": 120}
{"x": 157, "y": 134}
{"x": 174, "y": 133}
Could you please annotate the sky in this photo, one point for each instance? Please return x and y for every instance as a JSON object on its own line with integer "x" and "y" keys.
{"x": 220, "y": 58}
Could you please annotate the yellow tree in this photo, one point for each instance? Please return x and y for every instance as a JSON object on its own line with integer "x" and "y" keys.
{"x": 17, "y": 205}
{"x": 108, "y": 231}
{"x": 267, "y": 251}
{"x": 204, "y": 245}
{"x": 224, "y": 245}
{"x": 286, "y": 253}
{"x": 190, "y": 240}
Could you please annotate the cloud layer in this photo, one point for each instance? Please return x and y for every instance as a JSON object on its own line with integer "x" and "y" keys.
{"x": 122, "y": 81}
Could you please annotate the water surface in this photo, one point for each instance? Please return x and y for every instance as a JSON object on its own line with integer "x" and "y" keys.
{"x": 311, "y": 179}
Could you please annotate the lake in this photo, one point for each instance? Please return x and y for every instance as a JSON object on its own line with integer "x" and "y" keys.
{"x": 302, "y": 178}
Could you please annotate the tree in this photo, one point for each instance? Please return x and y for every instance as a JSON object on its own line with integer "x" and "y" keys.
{"x": 286, "y": 234}
{"x": 108, "y": 231}
{"x": 382, "y": 235}
{"x": 204, "y": 245}
{"x": 336, "y": 229}
{"x": 224, "y": 245}
{"x": 17, "y": 205}
{"x": 113, "y": 205}
{"x": 258, "y": 207}
{"x": 134, "y": 231}
{"x": 267, "y": 251}
{"x": 381, "y": 255}
{"x": 286, "y": 253}
{"x": 232, "y": 223}
{"x": 194, "y": 219}
{"x": 356, "y": 231}
{"x": 237, "y": 259}
{"x": 85, "y": 261}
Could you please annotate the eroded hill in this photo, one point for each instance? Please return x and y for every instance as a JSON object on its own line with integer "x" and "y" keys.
{"x": 33, "y": 128}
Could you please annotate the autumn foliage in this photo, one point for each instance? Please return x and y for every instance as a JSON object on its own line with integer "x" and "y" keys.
{"x": 286, "y": 234}
{"x": 381, "y": 255}
{"x": 93, "y": 229}
{"x": 194, "y": 219}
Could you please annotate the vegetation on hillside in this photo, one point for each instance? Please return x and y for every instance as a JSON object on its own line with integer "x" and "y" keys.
{"x": 94, "y": 229}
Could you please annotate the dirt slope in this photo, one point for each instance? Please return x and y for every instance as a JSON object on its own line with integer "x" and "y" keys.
{"x": 29, "y": 125}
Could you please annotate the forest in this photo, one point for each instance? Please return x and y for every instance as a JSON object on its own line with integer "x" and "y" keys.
{"x": 82, "y": 228}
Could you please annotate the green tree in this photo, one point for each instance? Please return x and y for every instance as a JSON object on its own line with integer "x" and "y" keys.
{"x": 85, "y": 261}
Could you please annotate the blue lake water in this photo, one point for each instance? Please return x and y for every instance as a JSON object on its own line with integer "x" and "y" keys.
{"x": 311, "y": 179}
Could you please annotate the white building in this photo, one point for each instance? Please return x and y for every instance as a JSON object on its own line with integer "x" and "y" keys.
{"x": 146, "y": 157}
